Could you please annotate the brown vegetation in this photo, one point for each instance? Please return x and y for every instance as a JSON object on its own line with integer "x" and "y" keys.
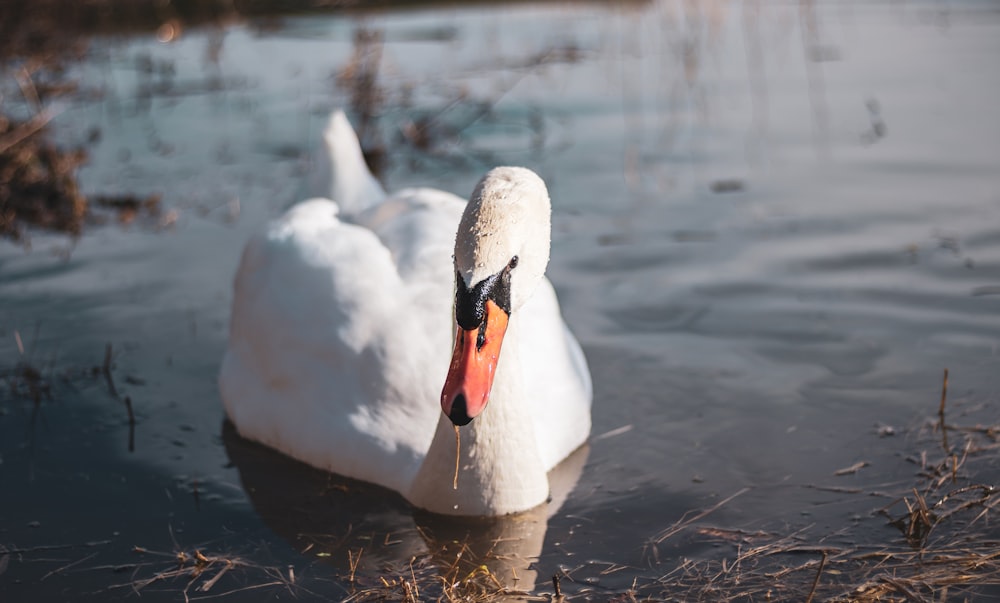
{"x": 37, "y": 180}
{"x": 946, "y": 549}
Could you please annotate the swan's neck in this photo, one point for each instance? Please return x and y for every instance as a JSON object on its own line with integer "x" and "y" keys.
{"x": 500, "y": 468}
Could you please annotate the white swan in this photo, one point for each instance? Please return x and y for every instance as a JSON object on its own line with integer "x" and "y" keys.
{"x": 344, "y": 314}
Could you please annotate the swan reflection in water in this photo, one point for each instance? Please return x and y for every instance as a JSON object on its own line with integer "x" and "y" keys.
{"x": 364, "y": 531}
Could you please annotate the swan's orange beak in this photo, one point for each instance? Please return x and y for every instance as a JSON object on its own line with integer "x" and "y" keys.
{"x": 473, "y": 364}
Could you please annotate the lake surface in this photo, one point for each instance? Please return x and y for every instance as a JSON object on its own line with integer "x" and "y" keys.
{"x": 775, "y": 225}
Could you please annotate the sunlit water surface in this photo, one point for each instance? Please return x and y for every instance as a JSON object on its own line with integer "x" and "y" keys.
{"x": 775, "y": 225}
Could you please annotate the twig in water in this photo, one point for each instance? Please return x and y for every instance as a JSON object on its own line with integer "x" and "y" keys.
{"x": 852, "y": 469}
{"x": 69, "y": 565}
{"x": 128, "y": 407}
{"x": 920, "y": 521}
{"x": 106, "y": 369}
{"x": 25, "y": 130}
{"x": 352, "y": 563}
{"x": 944, "y": 397}
{"x": 819, "y": 572}
{"x": 131, "y": 424}
{"x": 28, "y": 89}
{"x": 208, "y": 584}
{"x": 413, "y": 576}
{"x": 686, "y": 521}
{"x": 37, "y": 549}
{"x": 408, "y": 595}
{"x": 555, "y": 586}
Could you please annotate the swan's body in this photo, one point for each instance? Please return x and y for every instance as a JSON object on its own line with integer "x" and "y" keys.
{"x": 343, "y": 324}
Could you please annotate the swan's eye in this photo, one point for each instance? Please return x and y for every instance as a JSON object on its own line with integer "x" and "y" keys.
{"x": 513, "y": 263}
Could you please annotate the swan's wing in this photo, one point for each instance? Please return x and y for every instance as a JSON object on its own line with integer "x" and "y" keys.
{"x": 556, "y": 376}
{"x": 328, "y": 358}
{"x": 417, "y": 226}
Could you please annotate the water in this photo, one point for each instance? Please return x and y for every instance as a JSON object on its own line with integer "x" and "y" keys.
{"x": 775, "y": 225}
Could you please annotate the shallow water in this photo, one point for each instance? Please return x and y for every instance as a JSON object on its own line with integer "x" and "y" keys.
{"x": 774, "y": 227}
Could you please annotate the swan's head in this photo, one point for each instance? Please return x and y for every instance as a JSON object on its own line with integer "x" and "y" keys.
{"x": 501, "y": 251}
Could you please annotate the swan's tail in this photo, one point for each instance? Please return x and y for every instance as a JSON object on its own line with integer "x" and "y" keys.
{"x": 340, "y": 171}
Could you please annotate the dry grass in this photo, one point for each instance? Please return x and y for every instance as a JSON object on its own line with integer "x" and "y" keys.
{"x": 766, "y": 566}
{"x": 425, "y": 580}
{"x": 195, "y": 574}
{"x": 200, "y": 574}
{"x": 947, "y": 549}
{"x": 37, "y": 180}
{"x": 38, "y": 185}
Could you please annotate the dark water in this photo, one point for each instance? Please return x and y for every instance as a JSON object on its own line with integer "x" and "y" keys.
{"x": 775, "y": 226}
